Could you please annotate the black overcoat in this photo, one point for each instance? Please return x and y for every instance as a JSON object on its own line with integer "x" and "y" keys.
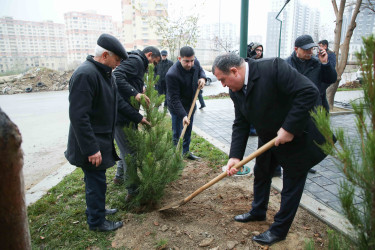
{"x": 93, "y": 107}
{"x": 278, "y": 96}
{"x": 181, "y": 87}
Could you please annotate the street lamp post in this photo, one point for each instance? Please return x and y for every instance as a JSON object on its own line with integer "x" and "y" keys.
{"x": 244, "y": 25}
{"x": 281, "y": 23}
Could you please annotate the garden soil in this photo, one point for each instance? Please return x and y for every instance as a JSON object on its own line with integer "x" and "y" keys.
{"x": 206, "y": 222}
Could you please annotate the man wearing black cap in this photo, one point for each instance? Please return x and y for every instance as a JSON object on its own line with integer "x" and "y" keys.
{"x": 129, "y": 78}
{"x": 161, "y": 70}
{"x": 93, "y": 104}
{"x": 318, "y": 70}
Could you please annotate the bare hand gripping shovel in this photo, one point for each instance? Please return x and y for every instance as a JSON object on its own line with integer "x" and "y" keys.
{"x": 189, "y": 115}
{"x": 253, "y": 155}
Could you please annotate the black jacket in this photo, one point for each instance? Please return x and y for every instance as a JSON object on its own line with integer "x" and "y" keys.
{"x": 162, "y": 68}
{"x": 129, "y": 78}
{"x": 277, "y": 96}
{"x": 181, "y": 87}
{"x": 322, "y": 75}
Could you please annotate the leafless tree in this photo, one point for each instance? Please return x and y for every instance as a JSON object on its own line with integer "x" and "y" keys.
{"x": 342, "y": 49}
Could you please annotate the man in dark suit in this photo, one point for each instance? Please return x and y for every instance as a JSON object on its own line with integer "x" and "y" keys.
{"x": 277, "y": 100}
{"x": 183, "y": 79}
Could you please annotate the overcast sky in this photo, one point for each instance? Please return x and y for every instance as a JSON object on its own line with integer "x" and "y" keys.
{"x": 40, "y": 10}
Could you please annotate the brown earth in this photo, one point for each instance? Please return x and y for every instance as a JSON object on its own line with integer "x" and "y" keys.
{"x": 35, "y": 80}
{"x": 206, "y": 222}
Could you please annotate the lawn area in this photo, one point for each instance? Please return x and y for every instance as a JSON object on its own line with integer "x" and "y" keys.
{"x": 58, "y": 220}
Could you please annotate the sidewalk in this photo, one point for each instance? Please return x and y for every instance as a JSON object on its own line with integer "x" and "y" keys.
{"x": 215, "y": 121}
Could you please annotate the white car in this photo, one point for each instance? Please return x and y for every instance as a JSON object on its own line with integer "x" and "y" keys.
{"x": 210, "y": 77}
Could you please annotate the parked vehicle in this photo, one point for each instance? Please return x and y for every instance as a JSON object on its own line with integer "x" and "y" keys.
{"x": 210, "y": 77}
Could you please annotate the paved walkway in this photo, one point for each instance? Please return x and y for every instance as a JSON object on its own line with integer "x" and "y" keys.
{"x": 216, "y": 121}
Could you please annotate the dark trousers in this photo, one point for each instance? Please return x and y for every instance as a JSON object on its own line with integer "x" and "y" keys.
{"x": 122, "y": 166}
{"x": 290, "y": 195}
{"x": 177, "y": 127}
{"x": 200, "y": 98}
{"x": 95, "y": 188}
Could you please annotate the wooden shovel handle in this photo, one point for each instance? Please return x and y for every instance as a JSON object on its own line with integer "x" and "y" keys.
{"x": 253, "y": 155}
{"x": 189, "y": 115}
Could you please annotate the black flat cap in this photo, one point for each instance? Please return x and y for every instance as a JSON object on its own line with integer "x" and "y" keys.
{"x": 305, "y": 42}
{"x": 112, "y": 44}
{"x": 163, "y": 52}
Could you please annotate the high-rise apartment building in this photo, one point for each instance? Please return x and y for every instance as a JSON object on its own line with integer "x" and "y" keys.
{"x": 82, "y": 32}
{"x": 138, "y": 32}
{"x": 297, "y": 19}
{"x": 365, "y": 27}
{"x": 214, "y": 39}
{"x": 25, "y": 44}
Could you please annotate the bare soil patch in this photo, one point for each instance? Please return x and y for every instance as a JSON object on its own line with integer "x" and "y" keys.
{"x": 206, "y": 222}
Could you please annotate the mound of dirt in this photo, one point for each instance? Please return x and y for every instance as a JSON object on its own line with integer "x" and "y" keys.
{"x": 351, "y": 85}
{"x": 206, "y": 222}
{"x": 35, "y": 80}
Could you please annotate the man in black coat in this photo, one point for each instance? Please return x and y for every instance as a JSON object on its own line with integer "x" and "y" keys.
{"x": 93, "y": 104}
{"x": 129, "y": 78}
{"x": 161, "y": 70}
{"x": 183, "y": 79}
{"x": 276, "y": 99}
{"x": 318, "y": 69}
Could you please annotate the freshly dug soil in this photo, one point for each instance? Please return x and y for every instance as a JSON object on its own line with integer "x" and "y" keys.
{"x": 206, "y": 222}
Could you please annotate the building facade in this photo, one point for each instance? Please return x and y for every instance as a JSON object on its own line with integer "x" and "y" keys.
{"x": 25, "y": 44}
{"x": 82, "y": 32}
{"x": 138, "y": 31}
{"x": 297, "y": 19}
{"x": 365, "y": 27}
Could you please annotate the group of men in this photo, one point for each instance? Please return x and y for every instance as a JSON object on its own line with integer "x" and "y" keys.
{"x": 272, "y": 94}
{"x": 100, "y": 93}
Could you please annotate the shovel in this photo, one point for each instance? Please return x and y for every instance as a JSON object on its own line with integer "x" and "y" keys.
{"x": 253, "y": 155}
{"x": 189, "y": 115}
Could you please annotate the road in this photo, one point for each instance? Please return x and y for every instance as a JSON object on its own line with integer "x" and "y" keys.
{"x": 43, "y": 121}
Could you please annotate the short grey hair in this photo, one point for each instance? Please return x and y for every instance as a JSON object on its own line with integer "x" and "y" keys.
{"x": 226, "y": 61}
{"x": 100, "y": 50}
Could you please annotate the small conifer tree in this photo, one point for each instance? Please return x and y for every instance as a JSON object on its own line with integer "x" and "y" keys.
{"x": 156, "y": 161}
{"x": 357, "y": 166}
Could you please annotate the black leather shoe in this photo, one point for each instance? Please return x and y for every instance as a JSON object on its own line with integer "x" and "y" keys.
{"x": 110, "y": 211}
{"x": 201, "y": 107}
{"x": 248, "y": 217}
{"x": 107, "y": 226}
{"x": 267, "y": 238}
{"x": 193, "y": 157}
{"x": 313, "y": 171}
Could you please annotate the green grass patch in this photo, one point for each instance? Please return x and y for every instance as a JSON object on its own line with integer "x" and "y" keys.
{"x": 204, "y": 149}
{"x": 58, "y": 219}
{"x": 348, "y": 89}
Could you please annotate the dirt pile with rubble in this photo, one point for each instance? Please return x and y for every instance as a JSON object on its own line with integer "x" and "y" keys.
{"x": 35, "y": 80}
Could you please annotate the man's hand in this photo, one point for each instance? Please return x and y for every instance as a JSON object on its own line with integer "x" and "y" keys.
{"x": 185, "y": 121}
{"x": 139, "y": 96}
{"x": 283, "y": 136}
{"x": 96, "y": 159}
{"x": 201, "y": 83}
{"x": 144, "y": 121}
{"x": 230, "y": 169}
{"x": 323, "y": 56}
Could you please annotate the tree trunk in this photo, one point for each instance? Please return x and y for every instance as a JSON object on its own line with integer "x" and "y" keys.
{"x": 14, "y": 227}
{"x": 343, "y": 48}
